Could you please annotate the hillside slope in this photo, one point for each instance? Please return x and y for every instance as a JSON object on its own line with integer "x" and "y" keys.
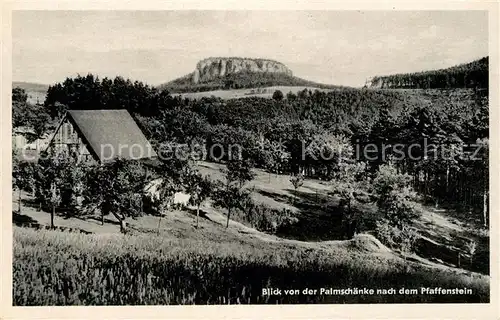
{"x": 315, "y": 227}
{"x": 30, "y": 86}
{"x": 468, "y": 75}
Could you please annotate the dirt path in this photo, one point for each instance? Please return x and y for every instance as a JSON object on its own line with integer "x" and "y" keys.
{"x": 362, "y": 242}
{"x": 213, "y": 227}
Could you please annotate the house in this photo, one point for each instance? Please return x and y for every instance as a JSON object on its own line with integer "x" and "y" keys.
{"x": 21, "y": 137}
{"x": 26, "y": 144}
{"x": 40, "y": 143}
{"x": 151, "y": 190}
{"x": 100, "y": 136}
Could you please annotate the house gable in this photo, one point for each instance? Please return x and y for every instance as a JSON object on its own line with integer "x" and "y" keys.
{"x": 101, "y": 135}
{"x": 69, "y": 140}
{"x": 110, "y": 134}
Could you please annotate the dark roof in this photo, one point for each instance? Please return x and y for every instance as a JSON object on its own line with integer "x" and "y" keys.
{"x": 111, "y": 134}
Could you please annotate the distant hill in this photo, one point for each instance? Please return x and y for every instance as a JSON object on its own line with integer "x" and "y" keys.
{"x": 30, "y": 86}
{"x": 237, "y": 73}
{"x": 467, "y": 75}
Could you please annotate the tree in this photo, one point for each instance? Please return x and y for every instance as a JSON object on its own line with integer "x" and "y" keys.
{"x": 164, "y": 198}
{"x": 84, "y": 92}
{"x": 271, "y": 155}
{"x": 51, "y": 179}
{"x": 267, "y": 160}
{"x": 171, "y": 177}
{"x": 68, "y": 175}
{"x": 387, "y": 179}
{"x": 481, "y": 170}
{"x": 382, "y": 134}
{"x": 395, "y": 198}
{"x": 231, "y": 194}
{"x": 407, "y": 240}
{"x": 471, "y": 247}
{"x": 19, "y": 95}
{"x": 297, "y": 181}
{"x": 199, "y": 188}
{"x": 290, "y": 96}
{"x": 239, "y": 171}
{"x": 39, "y": 121}
{"x": 22, "y": 177}
{"x": 76, "y": 187}
{"x": 350, "y": 184}
{"x": 27, "y": 115}
{"x": 326, "y": 152}
{"x": 116, "y": 188}
{"x": 399, "y": 207}
{"x": 54, "y": 200}
{"x": 278, "y": 95}
{"x": 279, "y": 156}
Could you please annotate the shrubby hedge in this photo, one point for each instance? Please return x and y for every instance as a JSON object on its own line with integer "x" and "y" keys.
{"x": 264, "y": 218}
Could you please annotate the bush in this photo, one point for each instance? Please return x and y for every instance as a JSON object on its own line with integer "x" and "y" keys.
{"x": 387, "y": 234}
{"x": 265, "y": 218}
{"x": 278, "y": 95}
{"x": 395, "y": 238}
{"x": 400, "y": 207}
{"x": 396, "y": 200}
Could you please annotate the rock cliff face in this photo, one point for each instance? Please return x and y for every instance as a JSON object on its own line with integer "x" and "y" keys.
{"x": 212, "y": 68}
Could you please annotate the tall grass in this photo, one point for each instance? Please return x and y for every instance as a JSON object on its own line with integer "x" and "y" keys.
{"x": 58, "y": 268}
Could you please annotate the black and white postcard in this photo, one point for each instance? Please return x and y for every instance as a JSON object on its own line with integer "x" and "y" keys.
{"x": 233, "y": 158}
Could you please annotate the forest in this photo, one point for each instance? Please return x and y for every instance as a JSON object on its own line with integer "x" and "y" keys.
{"x": 274, "y": 132}
{"x": 467, "y": 75}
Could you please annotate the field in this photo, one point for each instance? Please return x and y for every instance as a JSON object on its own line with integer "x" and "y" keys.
{"x": 266, "y": 92}
{"x": 37, "y": 92}
{"x": 56, "y": 268}
{"x": 169, "y": 261}
{"x": 445, "y": 233}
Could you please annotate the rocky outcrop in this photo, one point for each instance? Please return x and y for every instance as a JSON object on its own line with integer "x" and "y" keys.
{"x": 212, "y": 68}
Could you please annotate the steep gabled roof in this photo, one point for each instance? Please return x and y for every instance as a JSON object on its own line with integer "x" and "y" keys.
{"x": 110, "y": 134}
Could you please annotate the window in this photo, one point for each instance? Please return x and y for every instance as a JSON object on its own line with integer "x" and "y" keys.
{"x": 65, "y": 132}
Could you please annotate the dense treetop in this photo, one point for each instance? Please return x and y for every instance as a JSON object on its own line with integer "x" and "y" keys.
{"x": 288, "y": 133}
{"x": 467, "y": 75}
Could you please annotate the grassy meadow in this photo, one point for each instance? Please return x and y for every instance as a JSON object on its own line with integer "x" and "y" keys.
{"x": 61, "y": 268}
{"x": 172, "y": 262}
{"x": 265, "y": 92}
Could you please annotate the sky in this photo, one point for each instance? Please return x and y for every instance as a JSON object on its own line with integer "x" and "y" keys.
{"x": 333, "y": 47}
